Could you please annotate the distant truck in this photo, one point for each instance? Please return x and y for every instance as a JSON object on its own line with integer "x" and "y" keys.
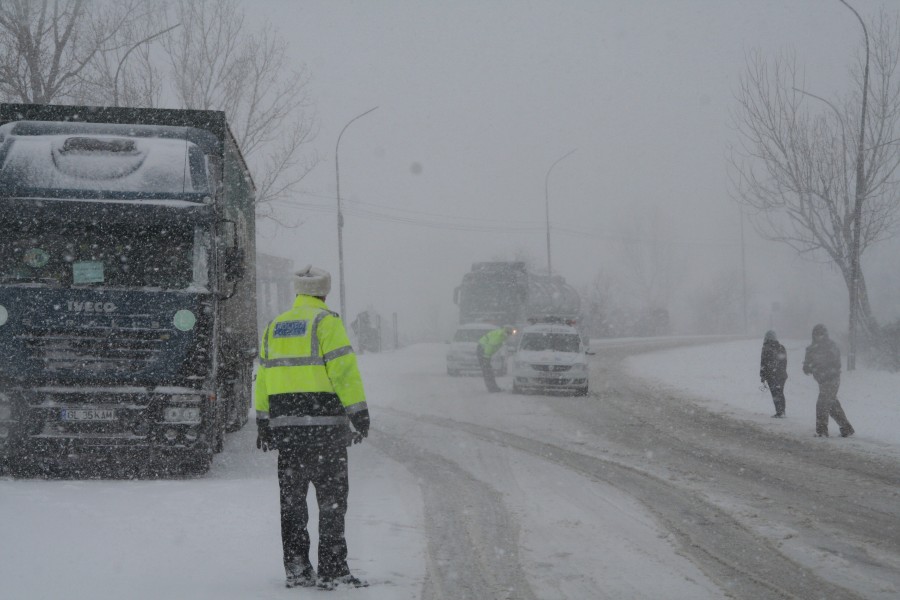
{"x": 127, "y": 287}
{"x": 508, "y": 293}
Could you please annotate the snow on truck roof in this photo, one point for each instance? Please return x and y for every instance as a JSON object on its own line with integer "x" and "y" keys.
{"x": 42, "y": 158}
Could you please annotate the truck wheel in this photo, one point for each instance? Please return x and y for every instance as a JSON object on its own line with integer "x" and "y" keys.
{"x": 217, "y": 429}
{"x": 238, "y": 401}
{"x": 219, "y": 440}
{"x": 198, "y": 465}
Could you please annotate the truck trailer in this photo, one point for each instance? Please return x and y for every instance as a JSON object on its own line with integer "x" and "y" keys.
{"x": 127, "y": 288}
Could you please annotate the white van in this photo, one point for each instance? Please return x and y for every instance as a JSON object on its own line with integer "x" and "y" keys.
{"x": 461, "y": 355}
{"x": 550, "y": 357}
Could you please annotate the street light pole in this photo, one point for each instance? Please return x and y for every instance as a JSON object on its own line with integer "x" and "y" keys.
{"x": 861, "y": 193}
{"x": 122, "y": 61}
{"x": 547, "y": 205}
{"x": 340, "y": 215}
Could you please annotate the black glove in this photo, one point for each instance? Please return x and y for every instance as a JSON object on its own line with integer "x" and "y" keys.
{"x": 265, "y": 441}
{"x": 360, "y": 422}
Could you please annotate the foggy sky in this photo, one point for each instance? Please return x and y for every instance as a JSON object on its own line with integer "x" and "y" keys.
{"x": 476, "y": 100}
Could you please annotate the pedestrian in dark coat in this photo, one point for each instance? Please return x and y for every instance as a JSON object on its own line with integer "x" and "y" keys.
{"x": 773, "y": 370}
{"x": 823, "y": 362}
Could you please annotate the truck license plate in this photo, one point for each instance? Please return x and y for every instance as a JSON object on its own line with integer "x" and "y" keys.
{"x": 88, "y": 414}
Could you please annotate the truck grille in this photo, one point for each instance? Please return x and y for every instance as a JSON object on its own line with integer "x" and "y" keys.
{"x": 99, "y": 350}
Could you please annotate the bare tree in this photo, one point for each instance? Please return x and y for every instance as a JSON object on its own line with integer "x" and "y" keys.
{"x": 47, "y": 46}
{"x": 194, "y": 54}
{"x": 215, "y": 63}
{"x": 822, "y": 175}
{"x": 128, "y": 73}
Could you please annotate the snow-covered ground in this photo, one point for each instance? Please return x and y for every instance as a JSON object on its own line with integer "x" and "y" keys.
{"x": 726, "y": 377}
{"x": 218, "y": 536}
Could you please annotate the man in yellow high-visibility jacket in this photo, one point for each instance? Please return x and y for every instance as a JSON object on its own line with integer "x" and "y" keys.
{"x": 488, "y": 345}
{"x": 308, "y": 391}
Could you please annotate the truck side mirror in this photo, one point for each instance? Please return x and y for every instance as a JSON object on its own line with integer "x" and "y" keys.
{"x": 234, "y": 263}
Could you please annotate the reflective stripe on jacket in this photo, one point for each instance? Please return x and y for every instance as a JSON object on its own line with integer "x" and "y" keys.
{"x": 492, "y": 341}
{"x": 307, "y": 373}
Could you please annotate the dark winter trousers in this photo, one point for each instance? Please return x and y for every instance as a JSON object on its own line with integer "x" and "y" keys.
{"x": 325, "y": 467}
{"x": 487, "y": 370}
{"x": 776, "y": 387}
{"x": 829, "y": 405}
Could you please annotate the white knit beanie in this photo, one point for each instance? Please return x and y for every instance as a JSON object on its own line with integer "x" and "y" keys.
{"x": 311, "y": 281}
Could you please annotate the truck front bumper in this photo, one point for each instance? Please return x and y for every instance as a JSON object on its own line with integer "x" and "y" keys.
{"x": 48, "y": 424}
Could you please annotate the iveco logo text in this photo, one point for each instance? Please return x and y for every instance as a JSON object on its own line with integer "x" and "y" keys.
{"x": 91, "y": 307}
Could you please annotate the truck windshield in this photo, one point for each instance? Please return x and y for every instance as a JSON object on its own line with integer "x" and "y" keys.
{"x": 490, "y": 296}
{"x": 166, "y": 256}
{"x": 560, "y": 342}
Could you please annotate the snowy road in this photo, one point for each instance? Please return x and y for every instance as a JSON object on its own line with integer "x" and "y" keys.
{"x": 459, "y": 494}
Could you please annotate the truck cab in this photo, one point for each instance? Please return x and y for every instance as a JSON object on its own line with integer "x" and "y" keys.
{"x": 127, "y": 304}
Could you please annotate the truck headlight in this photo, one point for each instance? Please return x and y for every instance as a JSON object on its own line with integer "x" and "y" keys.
{"x": 5, "y": 412}
{"x": 181, "y": 414}
{"x": 184, "y": 320}
{"x": 4, "y": 315}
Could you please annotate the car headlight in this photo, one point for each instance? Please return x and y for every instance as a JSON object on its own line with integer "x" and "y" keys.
{"x": 181, "y": 414}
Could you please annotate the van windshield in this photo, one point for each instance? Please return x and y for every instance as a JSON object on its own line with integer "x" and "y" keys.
{"x": 559, "y": 342}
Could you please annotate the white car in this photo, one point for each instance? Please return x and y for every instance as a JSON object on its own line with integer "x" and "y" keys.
{"x": 461, "y": 355}
{"x": 550, "y": 357}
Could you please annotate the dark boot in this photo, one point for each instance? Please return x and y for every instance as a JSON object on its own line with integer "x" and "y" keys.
{"x": 299, "y": 575}
{"x": 344, "y": 581}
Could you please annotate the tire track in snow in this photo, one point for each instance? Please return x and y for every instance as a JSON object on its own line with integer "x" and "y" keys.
{"x": 472, "y": 539}
{"x": 744, "y": 565}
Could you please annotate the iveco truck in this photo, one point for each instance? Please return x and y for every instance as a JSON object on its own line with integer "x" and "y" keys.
{"x": 127, "y": 287}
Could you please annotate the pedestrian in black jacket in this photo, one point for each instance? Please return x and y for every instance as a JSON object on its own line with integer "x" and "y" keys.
{"x": 823, "y": 362}
{"x": 773, "y": 370}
